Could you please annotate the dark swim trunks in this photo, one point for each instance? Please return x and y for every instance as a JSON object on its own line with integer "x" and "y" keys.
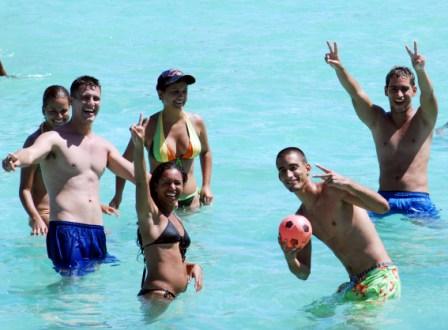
{"x": 411, "y": 204}
{"x": 76, "y": 248}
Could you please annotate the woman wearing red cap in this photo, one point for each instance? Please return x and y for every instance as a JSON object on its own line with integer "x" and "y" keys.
{"x": 173, "y": 134}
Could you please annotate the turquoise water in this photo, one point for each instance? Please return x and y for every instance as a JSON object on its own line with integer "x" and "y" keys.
{"x": 262, "y": 85}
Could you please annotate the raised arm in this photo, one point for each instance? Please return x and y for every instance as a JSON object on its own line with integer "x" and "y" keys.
{"x": 206, "y": 163}
{"x": 428, "y": 101}
{"x": 356, "y": 193}
{"x": 143, "y": 202}
{"x": 363, "y": 106}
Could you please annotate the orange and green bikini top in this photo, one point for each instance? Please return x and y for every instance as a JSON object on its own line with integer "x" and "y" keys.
{"x": 160, "y": 150}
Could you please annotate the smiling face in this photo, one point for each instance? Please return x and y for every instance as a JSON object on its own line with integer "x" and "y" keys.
{"x": 169, "y": 187}
{"x": 293, "y": 171}
{"x": 86, "y": 103}
{"x": 400, "y": 92}
{"x": 56, "y": 111}
{"x": 174, "y": 96}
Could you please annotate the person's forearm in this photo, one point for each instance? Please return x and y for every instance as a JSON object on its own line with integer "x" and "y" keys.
{"x": 25, "y": 158}
{"x": 370, "y": 199}
{"x": 206, "y": 167}
{"x": 299, "y": 270}
{"x": 119, "y": 186}
{"x": 425, "y": 85}
{"x": 120, "y": 182}
{"x": 348, "y": 82}
{"x": 28, "y": 204}
{"x": 141, "y": 182}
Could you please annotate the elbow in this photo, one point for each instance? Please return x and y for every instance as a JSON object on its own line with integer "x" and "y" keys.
{"x": 22, "y": 195}
{"x": 303, "y": 275}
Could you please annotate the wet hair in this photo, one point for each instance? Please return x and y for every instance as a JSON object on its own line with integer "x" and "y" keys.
{"x": 400, "y": 71}
{"x": 53, "y": 92}
{"x": 157, "y": 175}
{"x": 83, "y": 81}
{"x": 289, "y": 150}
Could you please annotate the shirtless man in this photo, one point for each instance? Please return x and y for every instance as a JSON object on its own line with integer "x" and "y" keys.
{"x": 402, "y": 136}
{"x": 336, "y": 209}
{"x": 72, "y": 159}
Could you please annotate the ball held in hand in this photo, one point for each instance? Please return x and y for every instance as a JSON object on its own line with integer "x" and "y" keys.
{"x": 295, "y": 231}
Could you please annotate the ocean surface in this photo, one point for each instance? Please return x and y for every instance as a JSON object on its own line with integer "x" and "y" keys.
{"x": 262, "y": 85}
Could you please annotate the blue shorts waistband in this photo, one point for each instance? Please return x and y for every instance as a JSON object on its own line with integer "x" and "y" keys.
{"x": 398, "y": 194}
{"x": 74, "y": 224}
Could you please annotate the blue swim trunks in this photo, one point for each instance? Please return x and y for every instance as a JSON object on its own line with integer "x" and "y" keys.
{"x": 76, "y": 248}
{"x": 411, "y": 204}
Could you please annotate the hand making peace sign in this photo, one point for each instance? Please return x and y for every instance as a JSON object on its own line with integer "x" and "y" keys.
{"x": 332, "y": 178}
{"x": 332, "y": 58}
{"x": 418, "y": 61}
{"x": 138, "y": 131}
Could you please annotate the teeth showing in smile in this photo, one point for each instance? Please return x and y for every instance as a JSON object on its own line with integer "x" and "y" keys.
{"x": 171, "y": 195}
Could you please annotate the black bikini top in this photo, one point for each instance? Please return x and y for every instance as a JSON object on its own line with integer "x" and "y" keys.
{"x": 171, "y": 235}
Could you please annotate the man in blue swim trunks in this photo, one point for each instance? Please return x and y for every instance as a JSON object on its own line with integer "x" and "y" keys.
{"x": 402, "y": 136}
{"x": 72, "y": 159}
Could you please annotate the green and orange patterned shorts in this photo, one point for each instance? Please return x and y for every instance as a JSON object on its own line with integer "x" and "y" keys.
{"x": 377, "y": 284}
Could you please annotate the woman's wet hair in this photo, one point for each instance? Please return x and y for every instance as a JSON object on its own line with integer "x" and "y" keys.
{"x": 157, "y": 175}
{"x": 400, "y": 71}
{"x": 289, "y": 150}
{"x": 52, "y": 92}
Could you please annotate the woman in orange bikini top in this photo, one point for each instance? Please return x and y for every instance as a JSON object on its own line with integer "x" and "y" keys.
{"x": 173, "y": 134}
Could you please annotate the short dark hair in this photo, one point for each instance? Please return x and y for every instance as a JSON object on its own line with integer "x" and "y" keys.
{"x": 52, "y": 92}
{"x": 83, "y": 81}
{"x": 400, "y": 71}
{"x": 289, "y": 150}
{"x": 157, "y": 174}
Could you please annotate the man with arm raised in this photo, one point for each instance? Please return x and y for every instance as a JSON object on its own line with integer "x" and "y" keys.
{"x": 402, "y": 135}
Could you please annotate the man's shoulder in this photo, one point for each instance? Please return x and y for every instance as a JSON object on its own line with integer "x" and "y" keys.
{"x": 100, "y": 140}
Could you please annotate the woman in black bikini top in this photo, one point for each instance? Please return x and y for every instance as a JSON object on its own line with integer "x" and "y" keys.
{"x": 162, "y": 237}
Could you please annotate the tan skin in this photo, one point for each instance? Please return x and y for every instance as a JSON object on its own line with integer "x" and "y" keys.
{"x": 166, "y": 269}
{"x": 78, "y": 160}
{"x": 32, "y": 192}
{"x": 174, "y": 99}
{"x": 403, "y": 135}
{"x": 336, "y": 209}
